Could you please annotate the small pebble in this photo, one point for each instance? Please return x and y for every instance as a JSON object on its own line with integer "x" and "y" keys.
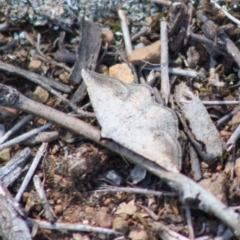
{"x": 35, "y": 66}
{"x": 120, "y": 225}
{"x": 58, "y": 209}
{"x": 138, "y": 235}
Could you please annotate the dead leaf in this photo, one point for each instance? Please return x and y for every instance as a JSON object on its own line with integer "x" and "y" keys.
{"x": 200, "y": 123}
{"x": 127, "y": 208}
{"x": 129, "y": 115}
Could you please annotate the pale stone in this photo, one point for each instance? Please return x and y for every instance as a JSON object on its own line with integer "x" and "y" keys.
{"x": 122, "y": 72}
{"x": 40, "y": 95}
{"x": 120, "y": 225}
{"x": 216, "y": 184}
{"x": 5, "y": 154}
{"x": 108, "y": 36}
{"x": 150, "y": 53}
{"x": 138, "y": 235}
{"x": 103, "y": 69}
{"x": 63, "y": 77}
{"x": 35, "y": 66}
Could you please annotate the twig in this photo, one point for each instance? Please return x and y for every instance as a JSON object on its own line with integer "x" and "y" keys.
{"x": 189, "y": 222}
{"x": 126, "y": 34}
{"x": 45, "y": 82}
{"x": 209, "y": 43}
{"x": 216, "y": 102}
{"x": 15, "y": 128}
{"x": 188, "y": 24}
{"x": 227, "y": 14}
{"x": 154, "y": 216}
{"x": 144, "y": 31}
{"x": 73, "y": 227}
{"x": 33, "y": 77}
{"x": 176, "y": 71}
{"x": 135, "y": 191}
{"x": 24, "y": 136}
{"x": 227, "y": 117}
{"x": 41, "y": 54}
{"x": 48, "y": 211}
{"x": 127, "y": 40}
{"x": 188, "y": 190}
{"x": 31, "y": 171}
{"x": 165, "y": 86}
{"x": 232, "y": 140}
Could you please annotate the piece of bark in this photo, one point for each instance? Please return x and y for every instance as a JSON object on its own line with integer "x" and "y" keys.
{"x": 178, "y": 11}
{"x": 187, "y": 189}
{"x": 195, "y": 163}
{"x": 228, "y": 44}
{"x": 12, "y": 223}
{"x": 86, "y": 57}
{"x": 88, "y": 49}
{"x": 12, "y": 170}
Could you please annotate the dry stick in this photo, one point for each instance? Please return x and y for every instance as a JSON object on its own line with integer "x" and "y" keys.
{"x": 227, "y": 117}
{"x": 48, "y": 211}
{"x": 227, "y": 14}
{"x": 176, "y": 71}
{"x": 41, "y": 54}
{"x": 126, "y": 34}
{"x": 127, "y": 40}
{"x": 31, "y": 171}
{"x": 232, "y": 140}
{"x": 165, "y": 85}
{"x": 144, "y": 31}
{"x": 15, "y": 128}
{"x": 229, "y": 45}
{"x": 24, "y": 136}
{"x": 33, "y": 77}
{"x": 189, "y": 222}
{"x": 216, "y": 102}
{"x": 210, "y": 44}
{"x": 188, "y": 190}
{"x": 135, "y": 191}
{"x": 189, "y": 20}
{"x": 73, "y": 227}
{"x": 42, "y": 81}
